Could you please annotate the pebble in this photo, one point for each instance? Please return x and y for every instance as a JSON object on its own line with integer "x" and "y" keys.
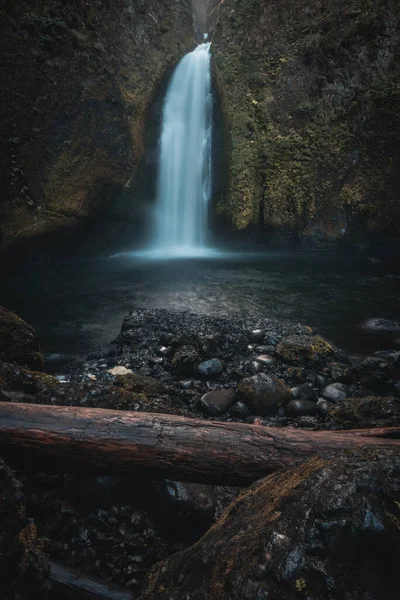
{"x": 266, "y": 360}
{"x": 239, "y": 410}
{"x": 255, "y": 367}
{"x": 210, "y": 368}
{"x": 187, "y": 384}
{"x": 256, "y": 336}
{"x": 163, "y": 351}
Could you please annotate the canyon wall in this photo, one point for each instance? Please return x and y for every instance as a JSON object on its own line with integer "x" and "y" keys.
{"x": 77, "y": 79}
{"x": 311, "y": 96}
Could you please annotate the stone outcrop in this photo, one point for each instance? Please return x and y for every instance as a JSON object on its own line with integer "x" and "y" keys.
{"x": 327, "y": 529}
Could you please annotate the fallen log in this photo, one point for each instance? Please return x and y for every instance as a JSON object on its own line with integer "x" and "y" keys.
{"x": 86, "y": 585}
{"x": 117, "y": 442}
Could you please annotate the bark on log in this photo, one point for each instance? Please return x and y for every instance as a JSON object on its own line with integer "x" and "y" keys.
{"x": 117, "y": 442}
{"x": 86, "y": 585}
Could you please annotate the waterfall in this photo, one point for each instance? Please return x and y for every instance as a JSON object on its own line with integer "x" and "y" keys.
{"x": 184, "y": 171}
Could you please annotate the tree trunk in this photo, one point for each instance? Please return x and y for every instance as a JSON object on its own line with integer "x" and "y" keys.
{"x": 117, "y": 442}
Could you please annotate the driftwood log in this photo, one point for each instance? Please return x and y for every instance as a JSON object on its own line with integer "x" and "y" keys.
{"x": 85, "y": 585}
{"x": 117, "y": 442}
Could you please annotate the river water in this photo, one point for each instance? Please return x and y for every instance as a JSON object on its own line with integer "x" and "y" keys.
{"x": 78, "y": 308}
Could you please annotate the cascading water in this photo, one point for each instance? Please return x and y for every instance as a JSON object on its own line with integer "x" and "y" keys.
{"x": 184, "y": 172}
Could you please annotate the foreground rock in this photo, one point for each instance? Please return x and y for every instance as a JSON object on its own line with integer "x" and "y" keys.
{"x": 18, "y": 341}
{"x": 264, "y": 394}
{"x": 327, "y": 529}
{"x": 362, "y": 413}
{"x": 23, "y": 570}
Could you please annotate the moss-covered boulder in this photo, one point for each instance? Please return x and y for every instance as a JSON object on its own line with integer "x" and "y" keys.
{"x": 363, "y": 413}
{"x": 328, "y": 529}
{"x": 297, "y": 348}
{"x": 264, "y": 394}
{"x": 18, "y": 341}
{"x": 23, "y": 570}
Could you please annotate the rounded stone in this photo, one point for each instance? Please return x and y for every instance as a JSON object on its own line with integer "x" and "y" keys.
{"x": 210, "y": 368}
{"x": 266, "y": 360}
{"x": 255, "y": 367}
{"x": 163, "y": 351}
{"x": 301, "y": 408}
{"x": 335, "y": 392}
{"x": 239, "y": 410}
{"x": 321, "y": 381}
{"x": 217, "y": 402}
{"x": 256, "y": 336}
{"x": 264, "y": 394}
{"x": 304, "y": 392}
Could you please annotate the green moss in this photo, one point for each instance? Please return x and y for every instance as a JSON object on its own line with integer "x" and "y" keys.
{"x": 299, "y": 99}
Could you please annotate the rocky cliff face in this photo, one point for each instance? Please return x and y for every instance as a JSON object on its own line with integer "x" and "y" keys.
{"x": 311, "y": 94}
{"x": 77, "y": 78}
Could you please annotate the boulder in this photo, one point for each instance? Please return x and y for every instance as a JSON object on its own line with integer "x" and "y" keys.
{"x": 297, "y": 348}
{"x": 18, "y": 341}
{"x": 363, "y": 413}
{"x": 335, "y": 392}
{"x": 186, "y": 360}
{"x": 304, "y": 392}
{"x": 217, "y": 402}
{"x": 134, "y": 382}
{"x": 327, "y": 529}
{"x": 301, "y": 408}
{"x": 264, "y": 394}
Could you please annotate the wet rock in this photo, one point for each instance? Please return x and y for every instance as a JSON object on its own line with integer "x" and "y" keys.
{"x": 301, "y": 408}
{"x": 266, "y": 360}
{"x": 18, "y": 379}
{"x": 326, "y": 529}
{"x": 140, "y": 384}
{"x": 23, "y": 569}
{"x": 322, "y": 381}
{"x": 239, "y": 410}
{"x": 378, "y": 324}
{"x": 264, "y": 394}
{"x": 256, "y": 336}
{"x": 296, "y": 348}
{"x": 217, "y": 402}
{"x": 363, "y": 413}
{"x": 255, "y": 367}
{"x": 186, "y": 360}
{"x": 304, "y": 392}
{"x": 323, "y": 406}
{"x": 187, "y": 384}
{"x": 210, "y": 368}
{"x": 18, "y": 342}
{"x": 163, "y": 351}
{"x": 341, "y": 373}
{"x": 374, "y": 372}
{"x": 335, "y": 392}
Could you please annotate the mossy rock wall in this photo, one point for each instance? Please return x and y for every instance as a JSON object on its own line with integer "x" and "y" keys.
{"x": 77, "y": 78}
{"x": 311, "y": 93}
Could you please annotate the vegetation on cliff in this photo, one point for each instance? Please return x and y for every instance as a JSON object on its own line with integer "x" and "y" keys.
{"x": 311, "y": 93}
{"x": 76, "y": 82}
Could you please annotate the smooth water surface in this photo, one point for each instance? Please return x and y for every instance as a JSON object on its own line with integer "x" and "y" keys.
{"x": 78, "y": 308}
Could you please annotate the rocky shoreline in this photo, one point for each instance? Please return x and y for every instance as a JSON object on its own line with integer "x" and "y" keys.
{"x": 257, "y": 371}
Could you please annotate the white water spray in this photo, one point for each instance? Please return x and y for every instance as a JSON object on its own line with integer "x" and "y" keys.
{"x": 184, "y": 174}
